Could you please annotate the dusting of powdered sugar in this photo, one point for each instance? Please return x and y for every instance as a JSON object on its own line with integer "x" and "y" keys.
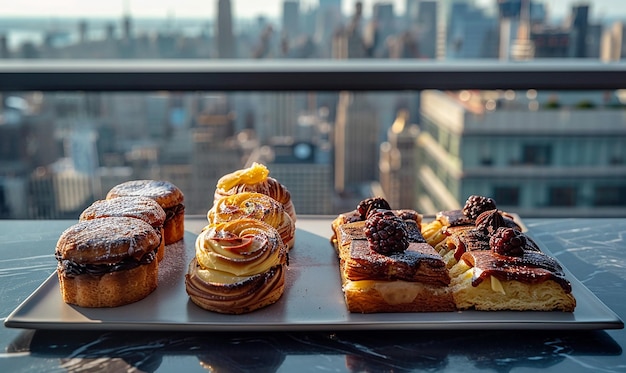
{"x": 163, "y": 192}
{"x": 143, "y": 208}
{"x": 107, "y": 240}
{"x": 174, "y": 263}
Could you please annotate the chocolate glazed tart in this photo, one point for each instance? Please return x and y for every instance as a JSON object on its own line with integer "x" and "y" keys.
{"x": 107, "y": 262}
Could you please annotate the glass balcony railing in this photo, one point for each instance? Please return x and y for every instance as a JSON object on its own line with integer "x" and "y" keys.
{"x": 543, "y": 138}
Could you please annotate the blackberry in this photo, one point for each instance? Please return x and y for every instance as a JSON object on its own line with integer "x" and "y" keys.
{"x": 475, "y": 205}
{"x": 371, "y": 204}
{"x": 508, "y": 241}
{"x": 386, "y": 232}
{"x": 489, "y": 221}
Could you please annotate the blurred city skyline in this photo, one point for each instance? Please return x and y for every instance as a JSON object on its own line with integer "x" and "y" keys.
{"x": 195, "y": 9}
{"x": 426, "y": 150}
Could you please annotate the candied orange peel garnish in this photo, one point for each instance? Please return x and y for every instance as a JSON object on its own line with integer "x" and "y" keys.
{"x": 251, "y": 175}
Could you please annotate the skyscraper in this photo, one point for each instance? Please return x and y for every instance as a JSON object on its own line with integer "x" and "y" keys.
{"x": 579, "y": 29}
{"x": 426, "y": 24}
{"x": 523, "y": 48}
{"x": 328, "y": 19}
{"x": 291, "y": 14}
{"x": 613, "y": 46}
{"x": 471, "y": 32}
{"x": 397, "y": 160}
{"x": 215, "y": 152}
{"x": 278, "y": 114}
{"x": 384, "y": 19}
{"x": 356, "y": 141}
{"x": 348, "y": 41}
{"x": 297, "y": 167}
{"x": 224, "y": 32}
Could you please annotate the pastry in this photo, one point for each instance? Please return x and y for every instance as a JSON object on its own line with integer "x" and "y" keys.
{"x": 166, "y": 194}
{"x": 390, "y": 268}
{"x": 107, "y": 262}
{"x": 343, "y": 225}
{"x": 142, "y": 208}
{"x": 345, "y": 233}
{"x": 512, "y": 275}
{"x": 255, "y": 206}
{"x": 482, "y": 260}
{"x": 239, "y": 267}
{"x": 459, "y": 239}
{"x": 255, "y": 179}
{"x": 449, "y": 221}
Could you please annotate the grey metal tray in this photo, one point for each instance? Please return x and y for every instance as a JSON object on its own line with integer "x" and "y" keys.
{"x": 312, "y": 300}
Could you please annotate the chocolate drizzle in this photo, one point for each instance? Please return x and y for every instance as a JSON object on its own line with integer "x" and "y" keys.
{"x": 170, "y": 212}
{"x": 531, "y": 268}
{"x": 72, "y": 269}
{"x": 419, "y": 263}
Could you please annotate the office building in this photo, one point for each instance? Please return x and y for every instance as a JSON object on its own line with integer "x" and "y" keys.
{"x": 291, "y": 18}
{"x": 426, "y": 25}
{"x": 356, "y": 141}
{"x": 397, "y": 163}
{"x": 516, "y": 148}
{"x": 214, "y": 153}
{"x": 298, "y": 167}
{"x": 328, "y": 20}
{"x": 471, "y": 33}
{"x": 579, "y": 28}
{"x": 277, "y": 114}
{"x": 613, "y": 44}
{"x": 224, "y": 30}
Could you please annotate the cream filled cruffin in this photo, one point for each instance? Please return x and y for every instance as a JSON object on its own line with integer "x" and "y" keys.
{"x": 239, "y": 267}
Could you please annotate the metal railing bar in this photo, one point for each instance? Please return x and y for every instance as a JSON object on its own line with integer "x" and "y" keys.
{"x": 307, "y": 75}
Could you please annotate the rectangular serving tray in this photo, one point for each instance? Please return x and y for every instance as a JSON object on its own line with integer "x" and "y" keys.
{"x": 312, "y": 300}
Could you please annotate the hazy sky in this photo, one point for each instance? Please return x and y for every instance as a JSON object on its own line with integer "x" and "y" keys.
{"x": 241, "y": 8}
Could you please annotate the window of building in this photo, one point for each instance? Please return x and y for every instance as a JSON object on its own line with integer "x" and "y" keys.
{"x": 444, "y": 139}
{"x": 536, "y": 154}
{"x": 562, "y": 196}
{"x": 507, "y": 195}
{"x": 610, "y": 195}
{"x": 430, "y": 127}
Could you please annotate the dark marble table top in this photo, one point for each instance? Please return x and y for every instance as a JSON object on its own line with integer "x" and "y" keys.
{"x": 592, "y": 249}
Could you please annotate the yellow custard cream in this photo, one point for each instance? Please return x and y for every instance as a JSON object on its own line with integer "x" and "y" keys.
{"x": 219, "y": 277}
{"x": 242, "y": 248}
{"x": 251, "y": 175}
{"x": 468, "y": 273}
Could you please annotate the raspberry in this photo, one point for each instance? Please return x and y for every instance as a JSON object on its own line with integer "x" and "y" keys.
{"x": 475, "y": 205}
{"x": 368, "y": 205}
{"x": 508, "y": 241}
{"x": 489, "y": 221}
{"x": 386, "y": 232}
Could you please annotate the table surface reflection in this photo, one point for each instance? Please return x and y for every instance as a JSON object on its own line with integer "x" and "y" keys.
{"x": 591, "y": 249}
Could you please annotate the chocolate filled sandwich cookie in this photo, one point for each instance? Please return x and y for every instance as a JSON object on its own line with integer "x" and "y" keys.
{"x": 142, "y": 208}
{"x": 107, "y": 262}
{"x": 166, "y": 194}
